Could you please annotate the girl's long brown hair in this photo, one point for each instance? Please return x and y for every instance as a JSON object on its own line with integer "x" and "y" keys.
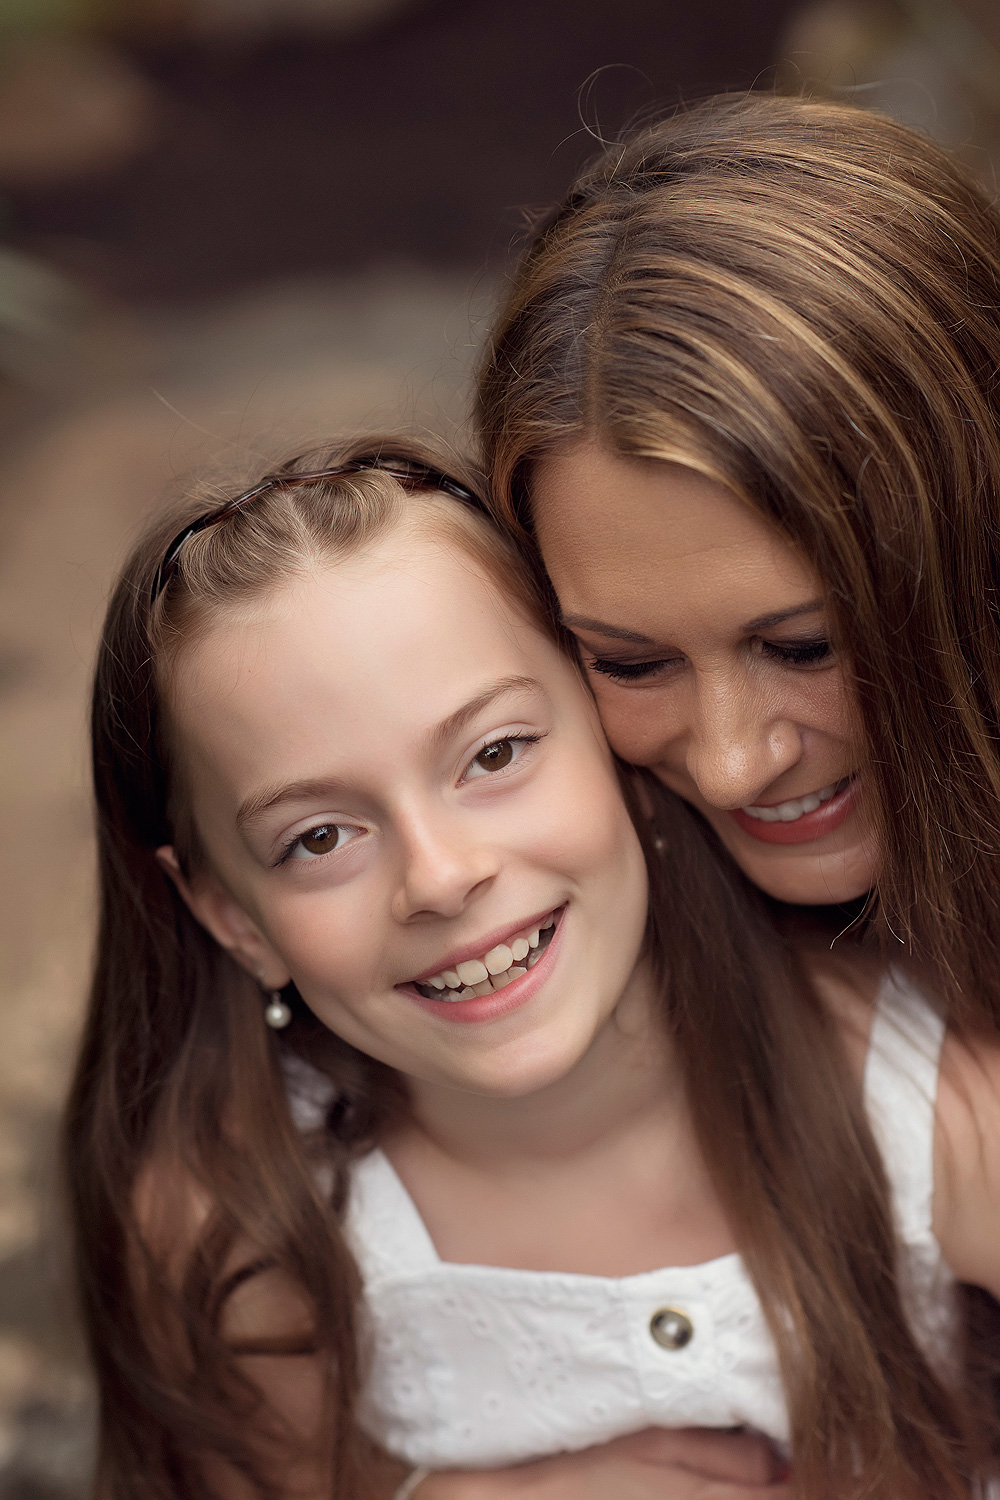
{"x": 179, "y": 1080}
{"x": 802, "y": 301}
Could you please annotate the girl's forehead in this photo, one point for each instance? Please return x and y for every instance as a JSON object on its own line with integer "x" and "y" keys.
{"x": 348, "y": 651}
{"x": 409, "y": 584}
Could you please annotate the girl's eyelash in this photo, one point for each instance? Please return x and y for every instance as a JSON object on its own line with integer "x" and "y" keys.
{"x": 287, "y": 848}
{"x": 501, "y": 739}
{"x": 797, "y": 653}
{"x": 626, "y": 671}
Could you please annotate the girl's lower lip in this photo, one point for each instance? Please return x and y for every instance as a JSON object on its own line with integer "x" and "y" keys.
{"x": 488, "y": 1007}
{"x": 814, "y": 825}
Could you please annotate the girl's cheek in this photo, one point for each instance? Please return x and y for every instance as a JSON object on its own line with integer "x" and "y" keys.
{"x": 325, "y": 946}
{"x": 583, "y": 827}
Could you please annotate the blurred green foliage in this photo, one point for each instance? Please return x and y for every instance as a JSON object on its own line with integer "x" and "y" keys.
{"x": 26, "y": 16}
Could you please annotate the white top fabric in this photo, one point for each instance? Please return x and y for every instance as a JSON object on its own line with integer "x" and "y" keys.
{"x": 482, "y": 1366}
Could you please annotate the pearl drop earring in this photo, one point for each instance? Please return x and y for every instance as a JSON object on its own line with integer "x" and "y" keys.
{"x": 276, "y": 1013}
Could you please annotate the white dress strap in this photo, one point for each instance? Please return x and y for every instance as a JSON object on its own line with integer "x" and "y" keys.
{"x": 310, "y": 1093}
{"x": 900, "y": 1091}
{"x": 386, "y": 1233}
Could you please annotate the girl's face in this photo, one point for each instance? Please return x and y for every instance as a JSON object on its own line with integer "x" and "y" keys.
{"x": 706, "y": 638}
{"x": 399, "y": 785}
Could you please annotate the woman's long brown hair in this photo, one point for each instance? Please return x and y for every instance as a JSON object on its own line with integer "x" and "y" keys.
{"x": 180, "y": 1081}
{"x": 802, "y": 301}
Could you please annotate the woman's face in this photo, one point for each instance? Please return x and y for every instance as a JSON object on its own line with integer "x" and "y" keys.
{"x": 404, "y": 793}
{"x": 705, "y": 635}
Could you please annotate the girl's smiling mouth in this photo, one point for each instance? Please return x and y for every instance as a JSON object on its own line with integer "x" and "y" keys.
{"x": 498, "y": 980}
{"x": 799, "y": 820}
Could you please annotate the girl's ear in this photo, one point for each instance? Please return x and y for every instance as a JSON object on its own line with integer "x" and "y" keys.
{"x": 220, "y": 914}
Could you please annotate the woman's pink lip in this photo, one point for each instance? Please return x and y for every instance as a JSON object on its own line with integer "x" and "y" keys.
{"x": 827, "y": 817}
{"x": 488, "y": 1007}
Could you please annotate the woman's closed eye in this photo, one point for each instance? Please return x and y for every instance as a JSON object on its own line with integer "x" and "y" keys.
{"x": 499, "y": 755}
{"x": 322, "y": 838}
{"x": 629, "y": 671}
{"x": 812, "y": 653}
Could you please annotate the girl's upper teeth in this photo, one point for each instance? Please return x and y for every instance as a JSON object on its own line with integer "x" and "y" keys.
{"x": 499, "y": 964}
{"x": 789, "y": 812}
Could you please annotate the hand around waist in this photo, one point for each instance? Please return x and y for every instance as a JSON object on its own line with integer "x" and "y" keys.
{"x": 656, "y": 1464}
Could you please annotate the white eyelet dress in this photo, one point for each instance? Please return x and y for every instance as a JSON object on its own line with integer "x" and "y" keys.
{"x": 481, "y": 1366}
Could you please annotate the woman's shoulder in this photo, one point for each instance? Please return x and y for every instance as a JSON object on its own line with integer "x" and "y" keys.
{"x": 848, "y": 983}
{"x": 967, "y": 1158}
{"x": 942, "y": 1100}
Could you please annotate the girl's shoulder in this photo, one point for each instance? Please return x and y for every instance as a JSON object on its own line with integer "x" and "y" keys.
{"x": 172, "y": 1211}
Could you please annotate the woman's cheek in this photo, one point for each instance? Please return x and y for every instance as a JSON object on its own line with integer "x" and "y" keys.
{"x": 636, "y": 725}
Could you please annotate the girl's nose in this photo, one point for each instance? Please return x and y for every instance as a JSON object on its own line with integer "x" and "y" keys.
{"x": 739, "y": 745}
{"x": 442, "y": 868}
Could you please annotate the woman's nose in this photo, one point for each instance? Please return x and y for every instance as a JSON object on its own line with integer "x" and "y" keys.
{"x": 443, "y": 866}
{"x": 739, "y": 744}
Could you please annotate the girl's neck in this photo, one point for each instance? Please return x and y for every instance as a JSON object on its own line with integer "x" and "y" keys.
{"x": 627, "y": 1074}
{"x": 598, "y": 1174}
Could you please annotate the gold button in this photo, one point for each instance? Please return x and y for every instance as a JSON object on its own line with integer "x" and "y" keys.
{"x": 671, "y": 1328}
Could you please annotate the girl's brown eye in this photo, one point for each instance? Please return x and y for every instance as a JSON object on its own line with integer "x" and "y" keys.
{"x": 496, "y": 756}
{"x": 321, "y": 840}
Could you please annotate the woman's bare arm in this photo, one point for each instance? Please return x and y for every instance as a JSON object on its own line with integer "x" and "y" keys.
{"x": 967, "y": 1161}
{"x": 657, "y": 1464}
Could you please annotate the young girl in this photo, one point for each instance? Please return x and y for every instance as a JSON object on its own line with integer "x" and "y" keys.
{"x": 416, "y": 1127}
{"x": 743, "y": 395}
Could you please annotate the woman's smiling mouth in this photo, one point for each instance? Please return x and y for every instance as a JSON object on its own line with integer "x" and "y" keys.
{"x": 800, "y": 820}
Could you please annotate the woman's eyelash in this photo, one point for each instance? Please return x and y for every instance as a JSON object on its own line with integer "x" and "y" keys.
{"x": 797, "y": 653}
{"x": 625, "y": 671}
{"x": 790, "y": 654}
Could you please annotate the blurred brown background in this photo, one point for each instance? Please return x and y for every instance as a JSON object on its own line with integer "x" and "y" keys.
{"x": 226, "y": 225}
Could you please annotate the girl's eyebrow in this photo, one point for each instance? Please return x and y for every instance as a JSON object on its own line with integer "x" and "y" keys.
{"x": 457, "y": 721}
{"x": 257, "y": 803}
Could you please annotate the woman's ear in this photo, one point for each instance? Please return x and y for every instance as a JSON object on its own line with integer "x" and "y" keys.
{"x": 221, "y": 915}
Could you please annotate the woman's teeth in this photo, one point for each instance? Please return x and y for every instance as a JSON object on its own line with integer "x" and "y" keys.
{"x": 497, "y": 968}
{"x": 797, "y": 807}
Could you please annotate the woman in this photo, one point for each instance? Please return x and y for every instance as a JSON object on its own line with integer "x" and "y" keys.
{"x": 742, "y": 396}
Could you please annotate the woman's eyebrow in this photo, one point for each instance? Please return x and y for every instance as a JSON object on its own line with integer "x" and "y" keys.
{"x": 601, "y": 627}
{"x": 257, "y": 803}
{"x": 617, "y": 633}
{"x": 767, "y": 622}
